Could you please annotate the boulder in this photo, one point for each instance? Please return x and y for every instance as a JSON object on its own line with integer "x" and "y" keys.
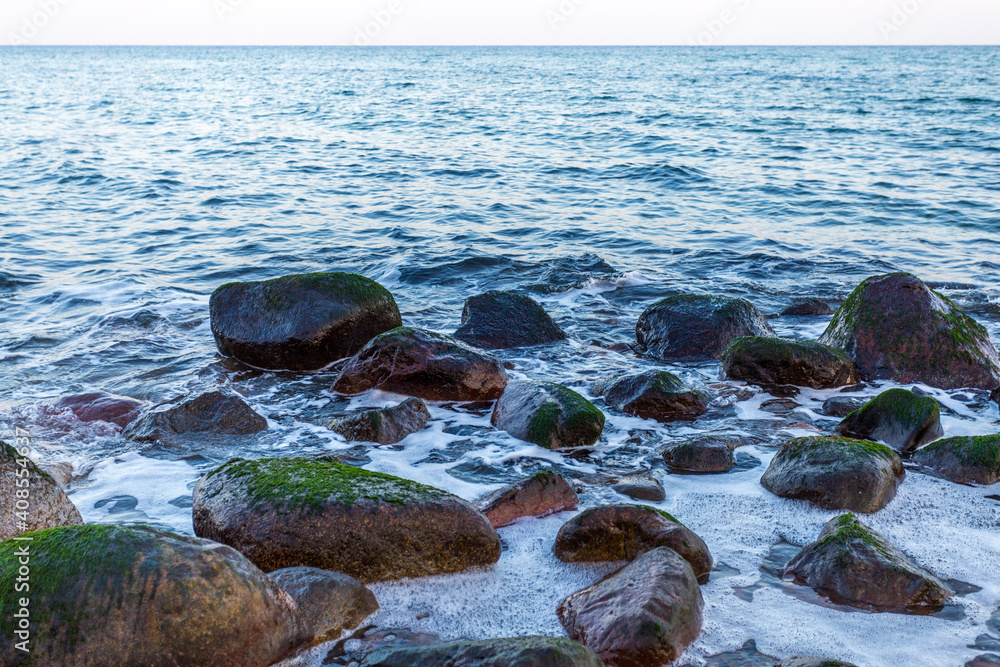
{"x": 707, "y": 453}
{"x": 897, "y": 328}
{"x": 854, "y": 565}
{"x": 835, "y": 473}
{"x": 374, "y": 527}
{"x": 425, "y": 364}
{"x": 984, "y": 660}
{"x": 100, "y": 406}
{"x": 898, "y": 417}
{"x": 808, "y": 307}
{"x": 497, "y": 320}
{"x": 111, "y": 595}
{"x": 512, "y": 652}
{"x": 964, "y": 459}
{"x": 543, "y": 493}
{"x": 301, "y": 322}
{"x": 645, "y": 614}
{"x": 212, "y": 413}
{"x": 384, "y": 425}
{"x": 697, "y": 326}
{"x": 841, "y": 406}
{"x": 622, "y": 532}
{"x": 329, "y": 602}
{"x": 32, "y": 500}
{"x": 803, "y": 363}
{"x": 641, "y": 488}
{"x": 653, "y": 394}
{"x": 548, "y": 414}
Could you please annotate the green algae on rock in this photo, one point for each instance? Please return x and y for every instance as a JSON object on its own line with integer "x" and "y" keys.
{"x": 969, "y": 459}
{"x": 653, "y": 394}
{"x": 385, "y": 426}
{"x": 497, "y": 320}
{"x": 898, "y": 417}
{"x": 768, "y": 360}
{"x": 510, "y": 652}
{"x": 31, "y": 499}
{"x": 548, "y": 414}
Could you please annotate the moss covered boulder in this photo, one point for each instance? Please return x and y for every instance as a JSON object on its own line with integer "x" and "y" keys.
{"x": 29, "y": 498}
{"x": 421, "y": 363}
{"x": 895, "y": 327}
{"x": 329, "y": 602}
{"x": 548, "y": 414}
{"x": 645, "y": 614}
{"x": 768, "y": 360}
{"x": 111, "y": 595}
{"x": 653, "y": 394}
{"x": 211, "y": 413}
{"x": 543, "y": 493}
{"x": 701, "y": 454}
{"x": 835, "y": 473}
{"x": 383, "y": 425}
{"x": 497, "y": 320}
{"x": 697, "y": 326}
{"x": 967, "y": 459}
{"x": 310, "y": 512}
{"x": 512, "y": 652}
{"x": 854, "y": 565}
{"x": 300, "y": 322}
{"x": 898, "y": 417}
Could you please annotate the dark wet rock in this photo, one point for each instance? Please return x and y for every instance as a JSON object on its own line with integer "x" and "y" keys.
{"x": 497, "y": 320}
{"x": 985, "y": 660}
{"x": 811, "y": 661}
{"x": 697, "y": 326}
{"x": 745, "y": 656}
{"x": 653, "y": 394}
{"x": 374, "y": 527}
{"x": 898, "y": 417}
{"x": 622, "y": 532}
{"x": 897, "y": 328}
{"x": 300, "y": 322}
{"x": 841, "y": 406}
{"x": 769, "y": 360}
{"x": 100, "y": 406}
{"x": 854, "y": 565}
{"x": 384, "y": 425}
{"x": 543, "y": 493}
{"x": 329, "y": 602}
{"x": 707, "y": 453}
{"x": 645, "y": 614}
{"x": 512, "y": 652}
{"x": 44, "y": 504}
{"x": 995, "y": 396}
{"x": 111, "y": 595}
{"x": 835, "y": 473}
{"x": 808, "y": 307}
{"x": 212, "y": 413}
{"x": 548, "y": 414}
{"x": 641, "y": 488}
{"x": 964, "y": 459}
{"x": 425, "y": 364}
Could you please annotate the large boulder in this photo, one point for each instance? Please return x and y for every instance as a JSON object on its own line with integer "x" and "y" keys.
{"x": 32, "y": 500}
{"x": 854, "y": 565}
{"x": 897, "y": 328}
{"x": 212, "y": 413}
{"x": 329, "y": 602}
{"x": 964, "y": 459}
{"x": 384, "y": 425}
{"x": 653, "y": 394}
{"x": 421, "y": 363}
{"x": 543, "y": 493}
{"x": 623, "y": 532}
{"x": 497, "y": 320}
{"x": 111, "y": 595}
{"x": 898, "y": 417}
{"x": 697, "y": 326}
{"x": 318, "y": 513}
{"x": 835, "y": 473}
{"x": 512, "y": 652}
{"x": 706, "y": 453}
{"x": 101, "y": 406}
{"x": 645, "y": 614}
{"x": 767, "y": 360}
{"x": 300, "y": 322}
{"x": 548, "y": 414}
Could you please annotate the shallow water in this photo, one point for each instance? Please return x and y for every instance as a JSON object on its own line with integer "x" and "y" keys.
{"x": 135, "y": 181}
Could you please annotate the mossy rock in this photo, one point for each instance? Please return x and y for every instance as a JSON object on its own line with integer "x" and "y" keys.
{"x": 898, "y": 417}
{"x": 300, "y": 322}
{"x": 43, "y": 504}
{"x": 512, "y": 652}
{"x": 497, "y": 320}
{"x": 653, "y": 394}
{"x": 383, "y": 425}
{"x": 541, "y": 494}
{"x": 210, "y": 414}
{"x": 768, "y": 360}
{"x": 318, "y": 513}
{"x": 548, "y": 414}
{"x": 967, "y": 459}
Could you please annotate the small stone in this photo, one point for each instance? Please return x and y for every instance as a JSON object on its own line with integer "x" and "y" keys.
{"x": 330, "y": 602}
{"x": 641, "y": 488}
{"x": 653, "y": 394}
{"x": 497, "y": 320}
{"x": 212, "y": 413}
{"x": 541, "y": 494}
{"x": 808, "y": 307}
{"x": 841, "y": 406}
{"x": 548, "y": 415}
{"x": 386, "y": 426}
{"x": 898, "y": 417}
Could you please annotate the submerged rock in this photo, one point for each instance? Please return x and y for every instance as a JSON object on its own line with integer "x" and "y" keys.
{"x": 641, "y": 488}
{"x": 421, "y": 363}
{"x": 768, "y": 360}
{"x": 808, "y": 307}
{"x": 374, "y": 527}
{"x": 384, "y": 425}
{"x": 101, "y": 406}
{"x": 543, "y": 493}
{"x": 645, "y": 614}
{"x": 745, "y": 656}
{"x": 548, "y": 414}
{"x": 895, "y": 327}
{"x": 697, "y": 326}
{"x": 835, "y": 473}
{"x": 32, "y": 500}
{"x": 963, "y": 460}
{"x": 513, "y": 652}
{"x": 497, "y": 320}
{"x": 212, "y": 413}
{"x": 653, "y": 394}
{"x": 329, "y": 602}
{"x": 707, "y": 453}
{"x": 898, "y": 417}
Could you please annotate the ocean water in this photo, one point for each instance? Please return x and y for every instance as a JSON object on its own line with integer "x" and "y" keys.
{"x": 133, "y": 181}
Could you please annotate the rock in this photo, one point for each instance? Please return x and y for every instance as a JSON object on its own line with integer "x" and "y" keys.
{"x": 897, "y": 328}
{"x": 705, "y": 453}
{"x": 963, "y": 460}
{"x": 645, "y": 614}
{"x": 212, "y": 413}
{"x": 897, "y": 417}
{"x": 301, "y": 322}
{"x": 995, "y": 396}
{"x": 768, "y": 360}
{"x": 330, "y": 602}
{"x": 513, "y": 652}
{"x": 641, "y": 488}
{"x": 44, "y": 505}
{"x": 99, "y": 406}
{"x": 111, "y": 595}
{"x": 653, "y": 394}
{"x": 697, "y": 326}
{"x": 746, "y": 656}
{"x": 425, "y": 364}
{"x": 841, "y": 406}
{"x": 622, "y": 532}
{"x": 984, "y": 660}
{"x": 374, "y": 527}
{"x": 385, "y": 425}
{"x": 856, "y": 566}
{"x": 543, "y": 493}
{"x": 497, "y": 320}
{"x": 808, "y": 307}
{"x": 548, "y": 414}
{"x": 809, "y": 661}
{"x": 61, "y": 472}
{"x": 835, "y": 473}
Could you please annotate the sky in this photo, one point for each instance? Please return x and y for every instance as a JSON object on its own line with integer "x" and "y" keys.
{"x": 500, "y": 22}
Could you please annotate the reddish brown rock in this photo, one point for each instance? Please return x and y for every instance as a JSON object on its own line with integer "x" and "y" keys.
{"x": 99, "y": 406}
{"x": 541, "y": 494}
